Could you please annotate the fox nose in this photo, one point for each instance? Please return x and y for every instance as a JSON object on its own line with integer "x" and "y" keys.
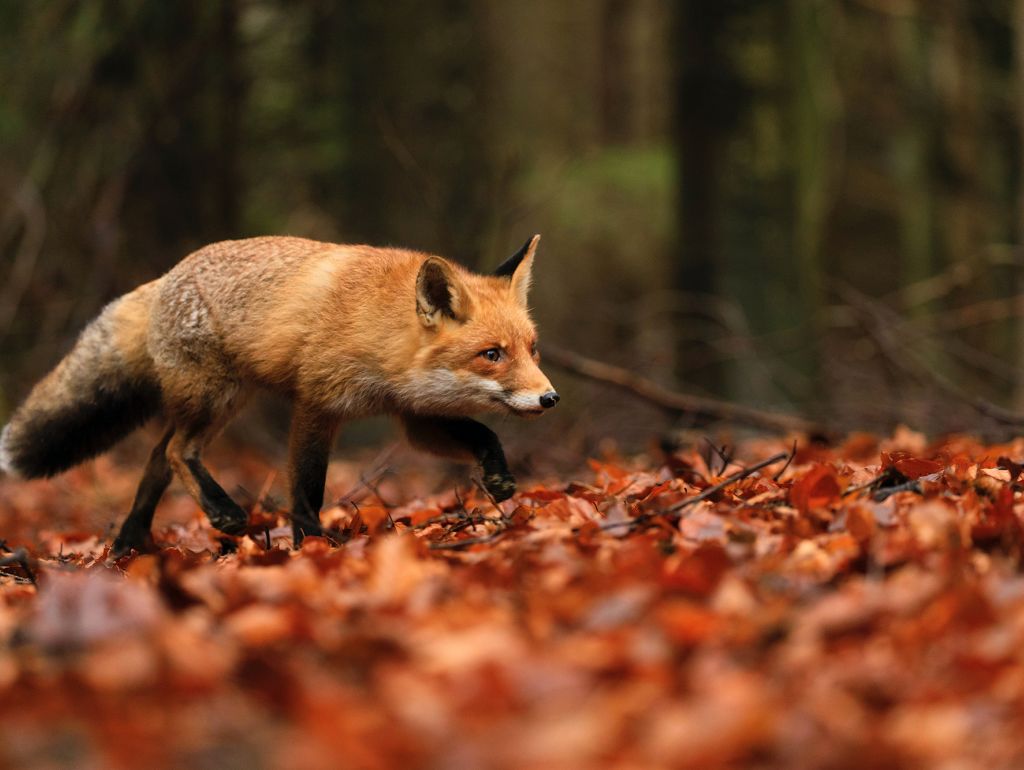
{"x": 549, "y": 399}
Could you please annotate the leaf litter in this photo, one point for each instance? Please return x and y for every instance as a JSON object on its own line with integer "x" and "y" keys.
{"x": 854, "y": 606}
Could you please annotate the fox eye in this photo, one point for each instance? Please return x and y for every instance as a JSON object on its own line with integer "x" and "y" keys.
{"x": 491, "y": 354}
{"x": 533, "y": 348}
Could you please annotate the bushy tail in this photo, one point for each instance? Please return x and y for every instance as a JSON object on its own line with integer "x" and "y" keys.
{"x": 99, "y": 393}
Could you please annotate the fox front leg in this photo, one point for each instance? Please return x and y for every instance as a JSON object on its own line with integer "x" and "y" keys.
{"x": 309, "y": 448}
{"x": 461, "y": 438}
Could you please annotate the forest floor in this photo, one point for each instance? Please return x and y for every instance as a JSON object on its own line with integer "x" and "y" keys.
{"x": 856, "y": 606}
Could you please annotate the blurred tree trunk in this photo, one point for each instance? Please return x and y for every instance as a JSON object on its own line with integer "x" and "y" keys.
{"x": 1018, "y": 30}
{"x": 705, "y": 86}
{"x": 955, "y": 62}
{"x": 964, "y": 232}
{"x": 418, "y": 118}
{"x": 913, "y": 155}
{"x": 810, "y": 122}
{"x": 226, "y": 161}
{"x": 913, "y": 152}
{"x": 616, "y": 77}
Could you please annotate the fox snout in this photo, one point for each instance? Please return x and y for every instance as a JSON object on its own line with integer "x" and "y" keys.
{"x": 527, "y": 403}
{"x": 549, "y": 399}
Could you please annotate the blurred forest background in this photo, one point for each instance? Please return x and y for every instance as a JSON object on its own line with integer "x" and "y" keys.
{"x": 811, "y": 206}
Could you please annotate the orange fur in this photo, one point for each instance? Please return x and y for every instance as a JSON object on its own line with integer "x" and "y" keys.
{"x": 345, "y": 331}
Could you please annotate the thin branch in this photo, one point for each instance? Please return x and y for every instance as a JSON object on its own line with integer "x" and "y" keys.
{"x": 21, "y": 559}
{"x": 502, "y": 526}
{"x": 455, "y": 545}
{"x": 728, "y": 481}
{"x": 697, "y": 407}
{"x": 380, "y": 469}
{"x": 490, "y": 497}
{"x": 792, "y": 454}
{"x": 884, "y": 493}
{"x": 879, "y": 322}
{"x": 723, "y": 454}
{"x": 705, "y": 494}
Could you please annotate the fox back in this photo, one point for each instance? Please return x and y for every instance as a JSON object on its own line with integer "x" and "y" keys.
{"x": 354, "y": 329}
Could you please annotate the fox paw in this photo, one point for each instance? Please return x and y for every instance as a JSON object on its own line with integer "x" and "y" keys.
{"x": 126, "y": 542}
{"x": 500, "y": 486}
{"x": 300, "y": 531}
{"x": 230, "y": 524}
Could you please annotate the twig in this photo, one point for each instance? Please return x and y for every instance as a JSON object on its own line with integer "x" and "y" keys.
{"x": 727, "y": 481}
{"x": 461, "y": 515}
{"x": 460, "y": 521}
{"x": 782, "y": 470}
{"x": 859, "y": 488}
{"x": 465, "y": 523}
{"x": 723, "y": 454}
{"x": 380, "y": 468}
{"x": 464, "y": 519}
{"x": 878, "y": 482}
{"x": 878, "y": 322}
{"x": 489, "y": 496}
{"x": 454, "y": 545}
{"x": 262, "y": 496}
{"x": 375, "y": 488}
{"x": 704, "y": 495}
{"x": 440, "y": 519}
{"x": 502, "y": 527}
{"x": 699, "y": 408}
{"x": 21, "y": 559}
{"x": 883, "y": 494}
{"x": 885, "y": 484}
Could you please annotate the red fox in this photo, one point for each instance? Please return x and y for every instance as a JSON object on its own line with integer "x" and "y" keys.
{"x": 344, "y": 331}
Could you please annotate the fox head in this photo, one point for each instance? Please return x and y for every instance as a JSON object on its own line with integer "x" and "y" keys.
{"x": 480, "y": 344}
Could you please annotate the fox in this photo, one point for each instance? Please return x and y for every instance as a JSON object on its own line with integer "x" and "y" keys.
{"x": 342, "y": 331}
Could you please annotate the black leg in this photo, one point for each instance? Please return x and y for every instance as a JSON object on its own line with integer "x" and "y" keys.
{"x": 199, "y": 412}
{"x": 308, "y": 476}
{"x": 312, "y": 436}
{"x": 459, "y": 437}
{"x": 135, "y": 532}
{"x": 484, "y": 444}
{"x": 223, "y": 512}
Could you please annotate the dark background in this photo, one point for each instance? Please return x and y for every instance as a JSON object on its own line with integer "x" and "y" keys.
{"x": 808, "y": 206}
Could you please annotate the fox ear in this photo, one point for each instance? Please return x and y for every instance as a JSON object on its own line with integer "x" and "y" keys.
{"x": 439, "y": 293}
{"x": 519, "y": 268}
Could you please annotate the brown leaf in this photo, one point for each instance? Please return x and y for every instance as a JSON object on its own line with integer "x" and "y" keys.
{"x": 697, "y": 573}
{"x": 817, "y": 488}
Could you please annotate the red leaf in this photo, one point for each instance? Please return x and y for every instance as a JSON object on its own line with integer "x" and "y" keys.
{"x": 697, "y": 573}
{"x": 816, "y": 489}
{"x": 910, "y": 466}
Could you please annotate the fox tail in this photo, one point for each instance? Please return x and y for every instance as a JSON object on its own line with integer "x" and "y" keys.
{"x": 99, "y": 393}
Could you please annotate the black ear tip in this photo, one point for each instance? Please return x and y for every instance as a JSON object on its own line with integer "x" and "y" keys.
{"x": 531, "y": 243}
{"x": 508, "y": 267}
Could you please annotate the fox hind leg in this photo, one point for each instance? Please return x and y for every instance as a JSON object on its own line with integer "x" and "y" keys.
{"x": 197, "y": 422}
{"x": 183, "y": 453}
{"x": 135, "y": 531}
